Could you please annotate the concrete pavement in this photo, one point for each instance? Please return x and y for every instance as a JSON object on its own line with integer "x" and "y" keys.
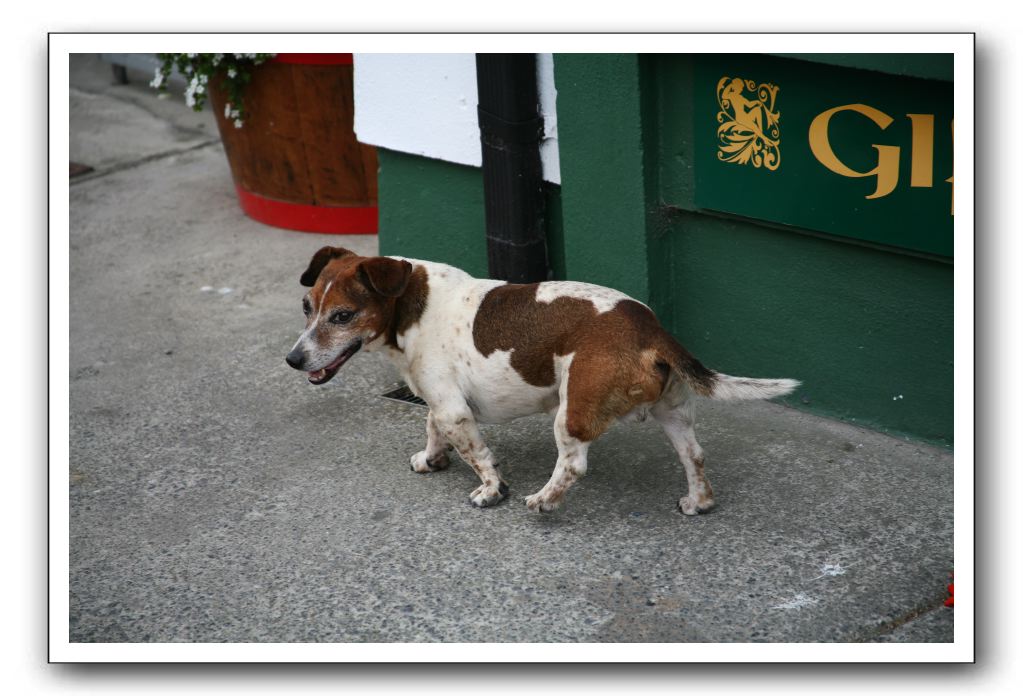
{"x": 217, "y": 496}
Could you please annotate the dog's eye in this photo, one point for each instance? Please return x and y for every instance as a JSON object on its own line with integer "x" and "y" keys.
{"x": 341, "y": 317}
{"x": 306, "y": 307}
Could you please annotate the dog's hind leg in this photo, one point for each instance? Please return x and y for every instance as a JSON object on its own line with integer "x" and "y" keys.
{"x": 677, "y": 421}
{"x": 596, "y": 388}
{"x": 570, "y": 468}
{"x": 435, "y": 456}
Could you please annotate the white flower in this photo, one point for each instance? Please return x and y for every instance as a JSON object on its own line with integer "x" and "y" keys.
{"x": 237, "y": 123}
{"x": 191, "y": 55}
{"x": 227, "y": 110}
{"x": 188, "y": 69}
{"x": 200, "y": 89}
{"x": 157, "y": 79}
{"x": 203, "y": 79}
{"x": 235, "y": 113}
{"x": 217, "y": 57}
{"x": 232, "y": 73}
{"x": 191, "y": 90}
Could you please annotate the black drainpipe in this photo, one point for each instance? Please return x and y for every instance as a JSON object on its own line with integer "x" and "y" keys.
{"x": 510, "y": 132}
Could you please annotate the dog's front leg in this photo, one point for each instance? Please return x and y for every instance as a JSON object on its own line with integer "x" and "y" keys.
{"x": 458, "y": 427}
{"x": 435, "y": 456}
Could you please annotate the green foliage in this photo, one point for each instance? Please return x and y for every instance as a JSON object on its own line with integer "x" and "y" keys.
{"x": 234, "y": 70}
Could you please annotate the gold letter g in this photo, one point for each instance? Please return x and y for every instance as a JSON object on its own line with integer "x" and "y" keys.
{"x": 887, "y": 169}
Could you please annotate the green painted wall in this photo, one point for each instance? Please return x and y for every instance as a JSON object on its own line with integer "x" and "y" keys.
{"x": 604, "y": 199}
{"x": 932, "y": 66}
{"x": 869, "y": 332}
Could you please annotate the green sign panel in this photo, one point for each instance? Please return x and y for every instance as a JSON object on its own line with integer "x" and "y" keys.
{"x": 850, "y": 152}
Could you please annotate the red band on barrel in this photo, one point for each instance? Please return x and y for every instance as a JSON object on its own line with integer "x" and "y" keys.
{"x": 326, "y": 219}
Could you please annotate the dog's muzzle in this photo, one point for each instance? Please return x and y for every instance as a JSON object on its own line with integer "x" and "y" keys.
{"x": 296, "y": 359}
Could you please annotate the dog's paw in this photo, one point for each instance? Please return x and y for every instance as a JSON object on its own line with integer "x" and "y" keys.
{"x": 488, "y": 496}
{"x": 420, "y": 464}
{"x": 688, "y": 505}
{"x": 539, "y": 502}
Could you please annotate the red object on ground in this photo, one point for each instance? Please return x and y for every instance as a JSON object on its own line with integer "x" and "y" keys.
{"x": 949, "y": 602}
{"x": 309, "y": 218}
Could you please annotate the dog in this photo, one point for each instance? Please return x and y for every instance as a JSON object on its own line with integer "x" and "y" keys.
{"x": 487, "y": 351}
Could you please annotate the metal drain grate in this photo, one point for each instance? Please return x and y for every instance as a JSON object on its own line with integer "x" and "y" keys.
{"x": 404, "y": 394}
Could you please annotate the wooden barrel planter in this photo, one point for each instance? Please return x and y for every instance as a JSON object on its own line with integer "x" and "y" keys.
{"x": 295, "y": 162}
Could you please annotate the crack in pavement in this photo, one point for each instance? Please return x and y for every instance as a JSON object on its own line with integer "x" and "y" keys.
{"x": 100, "y": 173}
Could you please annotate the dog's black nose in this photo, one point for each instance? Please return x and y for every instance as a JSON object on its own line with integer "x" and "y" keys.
{"x": 295, "y": 358}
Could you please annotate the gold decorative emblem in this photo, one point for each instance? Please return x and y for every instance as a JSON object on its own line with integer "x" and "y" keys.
{"x": 749, "y": 132}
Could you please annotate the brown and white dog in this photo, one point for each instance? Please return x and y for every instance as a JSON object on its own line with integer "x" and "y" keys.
{"x": 485, "y": 351}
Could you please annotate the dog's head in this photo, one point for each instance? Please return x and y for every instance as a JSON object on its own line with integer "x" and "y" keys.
{"x": 350, "y": 304}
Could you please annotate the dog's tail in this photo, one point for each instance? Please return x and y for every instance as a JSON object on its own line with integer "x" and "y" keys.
{"x": 729, "y": 388}
{"x": 715, "y": 385}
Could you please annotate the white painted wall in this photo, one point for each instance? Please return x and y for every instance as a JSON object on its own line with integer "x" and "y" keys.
{"x": 549, "y": 110}
{"x": 425, "y": 104}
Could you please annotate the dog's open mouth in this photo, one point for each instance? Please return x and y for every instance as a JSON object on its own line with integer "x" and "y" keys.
{"x": 326, "y": 374}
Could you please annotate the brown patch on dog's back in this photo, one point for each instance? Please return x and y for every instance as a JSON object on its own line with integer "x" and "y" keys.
{"x": 510, "y": 318}
{"x": 622, "y": 357}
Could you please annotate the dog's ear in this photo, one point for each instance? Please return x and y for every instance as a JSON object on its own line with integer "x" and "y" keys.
{"x": 320, "y": 259}
{"x": 387, "y": 276}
